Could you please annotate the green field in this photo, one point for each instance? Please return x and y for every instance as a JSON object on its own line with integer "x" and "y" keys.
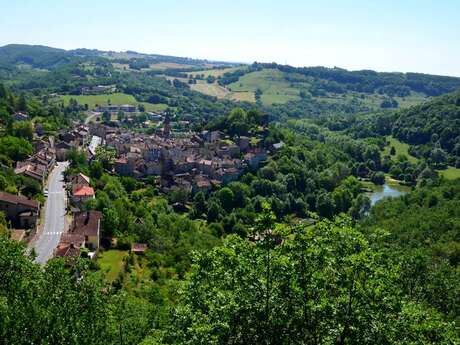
{"x": 242, "y": 96}
{"x": 167, "y": 65}
{"x": 400, "y": 147}
{"x": 374, "y": 100}
{"x": 213, "y": 89}
{"x": 221, "y": 92}
{"x": 217, "y": 90}
{"x": 115, "y": 98}
{"x": 275, "y": 89}
{"x": 111, "y": 263}
{"x": 450, "y": 173}
{"x": 160, "y": 66}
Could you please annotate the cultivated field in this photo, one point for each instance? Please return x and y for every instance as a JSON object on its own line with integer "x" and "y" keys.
{"x": 242, "y": 96}
{"x": 168, "y": 65}
{"x": 213, "y": 89}
{"x": 218, "y": 91}
{"x": 216, "y": 72}
{"x": 275, "y": 89}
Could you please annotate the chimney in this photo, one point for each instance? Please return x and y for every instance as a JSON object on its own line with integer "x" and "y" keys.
{"x": 87, "y": 218}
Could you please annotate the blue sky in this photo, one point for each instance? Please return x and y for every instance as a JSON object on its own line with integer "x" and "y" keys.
{"x": 385, "y": 35}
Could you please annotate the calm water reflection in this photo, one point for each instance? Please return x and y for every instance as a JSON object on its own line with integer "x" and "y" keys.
{"x": 387, "y": 191}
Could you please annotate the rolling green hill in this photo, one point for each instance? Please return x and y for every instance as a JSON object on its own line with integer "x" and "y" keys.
{"x": 433, "y": 128}
{"x": 273, "y": 84}
{"x": 47, "y": 57}
{"x": 36, "y": 56}
{"x": 278, "y": 84}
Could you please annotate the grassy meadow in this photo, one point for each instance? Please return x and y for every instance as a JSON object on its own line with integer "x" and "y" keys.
{"x": 450, "y": 173}
{"x": 115, "y": 98}
{"x": 113, "y": 265}
{"x": 400, "y": 148}
{"x": 275, "y": 89}
{"x": 216, "y": 72}
{"x": 213, "y": 89}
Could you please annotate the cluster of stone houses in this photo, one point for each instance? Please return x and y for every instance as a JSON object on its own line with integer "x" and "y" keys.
{"x": 194, "y": 161}
{"x": 47, "y": 152}
{"x": 84, "y": 231}
{"x": 39, "y": 164}
{"x": 43, "y": 158}
{"x": 20, "y": 211}
{"x": 80, "y": 190}
{"x": 74, "y": 139}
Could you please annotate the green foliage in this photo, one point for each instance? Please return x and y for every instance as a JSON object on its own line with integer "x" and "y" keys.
{"x": 3, "y": 225}
{"x": 326, "y": 285}
{"x": 23, "y": 129}
{"x": 432, "y": 126}
{"x": 386, "y": 275}
{"x": 57, "y": 305}
{"x": 106, "y": 156}
{"x": 423, "y": 234}
{"x": 15, "y": 148}
{"x": 76, "y": 158}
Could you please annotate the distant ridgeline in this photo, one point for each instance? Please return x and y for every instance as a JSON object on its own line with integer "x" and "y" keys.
{"x": 339, "y": 80}
{"x": 336, "y": 80}
{"x": 48, "y": 58}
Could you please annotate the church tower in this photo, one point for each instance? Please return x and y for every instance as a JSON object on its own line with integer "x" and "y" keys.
{"x": 167, "y": 125}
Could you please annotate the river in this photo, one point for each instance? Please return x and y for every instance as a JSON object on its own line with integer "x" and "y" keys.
{"x": 392, "y": 190}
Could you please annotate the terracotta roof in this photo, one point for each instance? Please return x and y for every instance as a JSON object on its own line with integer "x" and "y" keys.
{"x": 83, "y": 191}
{"x": 69, "y": 238}
{"x": 67, "y": 250}
{"x": 18, "y": 200}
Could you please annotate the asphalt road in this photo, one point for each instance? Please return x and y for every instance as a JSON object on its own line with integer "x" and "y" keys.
{"x": 54, "y": 217}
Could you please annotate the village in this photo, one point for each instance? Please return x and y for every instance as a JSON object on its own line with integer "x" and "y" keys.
{"x": 176, "y": 159}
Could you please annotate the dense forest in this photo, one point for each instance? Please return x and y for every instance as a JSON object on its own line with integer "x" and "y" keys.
{"x": 381, "y": 282}
{"x": 292, "y": 252}
{"x": 433, "y": 129}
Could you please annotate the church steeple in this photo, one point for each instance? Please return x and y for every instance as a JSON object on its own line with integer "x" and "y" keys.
{"x": 167, "y": 125}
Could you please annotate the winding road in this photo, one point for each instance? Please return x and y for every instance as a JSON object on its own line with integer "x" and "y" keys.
{"x": 54, "y": 217}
